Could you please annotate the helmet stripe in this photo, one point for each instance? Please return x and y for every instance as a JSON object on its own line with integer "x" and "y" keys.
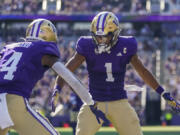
{"x": 39, "y": 25}
{"x": 104, "y": 21}
{"x": 101, "y": 21}
{"x": 32, "y": 29}
{"x": 36, "y": 28}
{"x": 98, "y": 22}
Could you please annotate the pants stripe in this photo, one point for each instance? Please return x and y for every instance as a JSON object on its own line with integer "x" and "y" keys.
{"x": 43, "y": 121}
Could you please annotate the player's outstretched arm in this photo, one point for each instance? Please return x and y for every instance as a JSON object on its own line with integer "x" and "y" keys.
{"x": 78, "y": 87}
{"x": 68, "y": 76}
{"x": 72, "y": 65}
{"x": 152, "y": 82}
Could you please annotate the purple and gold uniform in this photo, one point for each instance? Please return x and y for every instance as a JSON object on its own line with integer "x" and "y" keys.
{"x": 20, "y": 69}
{"x": 106, "y": 73}
{"x": 21, "y": 66}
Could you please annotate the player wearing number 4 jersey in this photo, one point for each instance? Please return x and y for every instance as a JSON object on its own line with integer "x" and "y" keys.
{"x": 22, "y": 64}
{"x": 106, "y": 55}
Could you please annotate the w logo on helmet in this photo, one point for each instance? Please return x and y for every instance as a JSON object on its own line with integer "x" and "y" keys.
{"x": 115, "y": 22}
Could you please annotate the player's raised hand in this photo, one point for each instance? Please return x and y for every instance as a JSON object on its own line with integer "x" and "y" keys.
{"x": 171, "y": 101}
{"x": 98, "y": 113}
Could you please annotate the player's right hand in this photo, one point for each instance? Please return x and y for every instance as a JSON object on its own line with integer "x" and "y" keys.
{"x": 171, "y": 101}
{"x": 98, "y": 113}
{"x": 54, "y": 100}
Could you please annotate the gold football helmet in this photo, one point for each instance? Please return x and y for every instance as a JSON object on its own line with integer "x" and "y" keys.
{"x": 105, "y": 25}
{"x": 41, "y": 29}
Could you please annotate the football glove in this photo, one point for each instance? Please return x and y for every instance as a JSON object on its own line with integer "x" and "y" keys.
{"x": 98, "y": 113}
{"x": 54, "y": 99}
{"x": 170, "y": 100}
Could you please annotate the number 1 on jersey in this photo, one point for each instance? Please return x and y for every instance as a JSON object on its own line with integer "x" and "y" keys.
{"x": 11, "y": 65}
{"x": 110, "y": 77}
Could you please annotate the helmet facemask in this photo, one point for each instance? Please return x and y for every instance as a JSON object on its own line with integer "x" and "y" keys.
{"x": 108, "y": 41}
{"x": 105, "y": 35}
{"x": 103, "y": 42}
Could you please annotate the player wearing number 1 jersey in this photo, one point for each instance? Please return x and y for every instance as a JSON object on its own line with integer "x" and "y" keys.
{"x": 106, "y": 55}
{"x": 22, "y": 64}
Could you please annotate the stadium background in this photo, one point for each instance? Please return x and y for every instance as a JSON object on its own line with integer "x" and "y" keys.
{"x": 154, "y": 23}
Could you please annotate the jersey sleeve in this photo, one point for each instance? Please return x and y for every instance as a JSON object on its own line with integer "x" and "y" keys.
{"x": 41, "y": 48}
{"x": 132, "y": 47}
{"x": 80, "y": 46}
{"x": 50, "y": 49}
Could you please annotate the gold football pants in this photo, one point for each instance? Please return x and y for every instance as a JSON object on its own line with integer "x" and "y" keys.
{"x": 26, "y": 120}
{"x": 120, "y": 113}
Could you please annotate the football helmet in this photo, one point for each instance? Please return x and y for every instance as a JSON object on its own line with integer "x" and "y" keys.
{"x": 41, "y": 29}
{"x": 104, "y": 25}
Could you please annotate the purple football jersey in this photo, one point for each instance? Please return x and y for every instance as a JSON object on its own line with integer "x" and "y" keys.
{"x": 21, "y": 68}
{"x": 107, "y": 70}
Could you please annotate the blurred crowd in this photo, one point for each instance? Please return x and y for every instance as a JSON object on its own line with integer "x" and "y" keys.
{"x": 79, "y": 6}
{"x": 150, "y": 38}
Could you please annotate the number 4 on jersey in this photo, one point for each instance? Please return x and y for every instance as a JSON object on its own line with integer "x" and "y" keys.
{"x": 11, "y": 65}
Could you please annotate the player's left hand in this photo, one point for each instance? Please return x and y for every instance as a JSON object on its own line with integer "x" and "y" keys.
{"x": 98, "y": 113}
{"x": 54, "y": 100}
{"x": 171, "y": 101}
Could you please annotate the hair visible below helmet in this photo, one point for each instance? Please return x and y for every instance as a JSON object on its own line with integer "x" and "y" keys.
{"x": 104, "y": 24}
{"x": 41, "y": 29}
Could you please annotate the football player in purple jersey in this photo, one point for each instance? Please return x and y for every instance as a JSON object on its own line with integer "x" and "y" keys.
{"x": 22, "y": 64}
{"x": 107, "y": 54}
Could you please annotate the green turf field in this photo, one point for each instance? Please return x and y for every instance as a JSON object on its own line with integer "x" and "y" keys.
{"x": 147, "y": 130}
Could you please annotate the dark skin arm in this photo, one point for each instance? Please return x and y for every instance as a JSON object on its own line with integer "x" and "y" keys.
{"x": 49, "y": 60}
{"x": 72, "y": 65}
{"x": 144, "y": 73}
{"x": 151, "y": 81}
{"x": 78, "y": 59}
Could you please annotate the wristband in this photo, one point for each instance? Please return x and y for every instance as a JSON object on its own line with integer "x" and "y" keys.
{"x": 159, "y": 90}
{"x": 57, "y": 87}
